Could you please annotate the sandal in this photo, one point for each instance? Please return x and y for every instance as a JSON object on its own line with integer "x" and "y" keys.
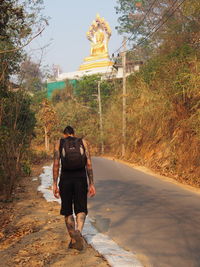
{"x": 80, "y": 243}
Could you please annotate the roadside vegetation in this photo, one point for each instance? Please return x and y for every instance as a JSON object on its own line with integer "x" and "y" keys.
{"x": 163, "y": 98}
{"x": 163, "y": 114}
{"x": 21, "y": 22}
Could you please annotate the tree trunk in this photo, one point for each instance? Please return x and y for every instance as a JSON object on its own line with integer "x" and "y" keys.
{"x": 48, "y": 143}
{"x": 46, "y": 138}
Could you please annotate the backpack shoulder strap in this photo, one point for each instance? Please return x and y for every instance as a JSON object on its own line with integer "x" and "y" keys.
{"x": 81, "y": 141}
{"x": 76, "y": 142}
{"x": 62, "y": 141}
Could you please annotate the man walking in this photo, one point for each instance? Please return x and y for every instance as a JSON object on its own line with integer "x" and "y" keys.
{"x": 76, "y": 167}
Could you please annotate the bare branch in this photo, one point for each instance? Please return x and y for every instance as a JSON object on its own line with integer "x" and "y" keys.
{"x": 3, "y": 72}
{"x": 18, "y": 48}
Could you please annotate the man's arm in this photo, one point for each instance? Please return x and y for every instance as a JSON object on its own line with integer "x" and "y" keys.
{"x": 89, "y": 163}
{"x": 92, "y": 190}
{"x": 56, "y": 166}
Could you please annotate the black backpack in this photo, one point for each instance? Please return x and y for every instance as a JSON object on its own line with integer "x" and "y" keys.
{"x": 72, "y": 153}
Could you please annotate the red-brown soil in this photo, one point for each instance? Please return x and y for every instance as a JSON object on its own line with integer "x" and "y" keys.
{"x": 32, "y": 233}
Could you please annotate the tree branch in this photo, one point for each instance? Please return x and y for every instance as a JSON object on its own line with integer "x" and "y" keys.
{"x": 3, "y": 71}
{"x": 18, "y": 48}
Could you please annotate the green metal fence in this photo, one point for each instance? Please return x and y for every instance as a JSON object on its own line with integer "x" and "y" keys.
{"x": 52, "y": 86}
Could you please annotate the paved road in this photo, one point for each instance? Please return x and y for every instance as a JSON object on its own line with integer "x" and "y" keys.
{"x": 152, "y": 217}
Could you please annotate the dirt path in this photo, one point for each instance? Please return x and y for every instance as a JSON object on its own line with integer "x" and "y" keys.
{"x": 32, "y": 233}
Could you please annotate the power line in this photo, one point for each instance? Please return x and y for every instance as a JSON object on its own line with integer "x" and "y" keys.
{"x": 168, "y": 17}
{"x": 138, "y": 25}
{"x": 159, "y": 26}
{"x": 132, "y": 34}
{"x": 141, "y": 24}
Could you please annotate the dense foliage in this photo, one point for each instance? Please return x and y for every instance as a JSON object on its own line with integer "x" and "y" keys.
{"x": 16, "y": 127}
{"x": 20, "y": 22}
{"x": 79, "y": 107}
{"x": 158, "y": 25}
{"x": 163, "y": 118}
{"x": 163, "y": 100}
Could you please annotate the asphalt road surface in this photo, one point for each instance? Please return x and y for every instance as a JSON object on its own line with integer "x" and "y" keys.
{"x": 157, "y": 219}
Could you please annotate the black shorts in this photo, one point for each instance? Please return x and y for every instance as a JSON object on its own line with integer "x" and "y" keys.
{"x": 73, "y": 193}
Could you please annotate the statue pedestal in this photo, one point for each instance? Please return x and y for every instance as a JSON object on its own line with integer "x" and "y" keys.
{"x": 93, "y": 62}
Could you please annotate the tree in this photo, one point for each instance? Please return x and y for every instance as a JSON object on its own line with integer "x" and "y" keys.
{"x": 163, "y": 98}
{"x": 47, "y": 120}
{"x": 30, "y": 76}
{"x": 78, "y": 106}
{"x": 179, "y": 22}
{"x": 86, "y": 90}
{"x": 20, "y": 22}
{"x": 16, "y": 127}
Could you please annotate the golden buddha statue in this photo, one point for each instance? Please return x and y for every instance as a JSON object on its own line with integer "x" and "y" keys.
{"x": 98, "y": 47}
{"x": 99, "y": 34}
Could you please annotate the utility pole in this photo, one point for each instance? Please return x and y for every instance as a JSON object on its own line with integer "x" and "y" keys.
{"x": 124, "y": 99}
{"x": 100, "y": 117}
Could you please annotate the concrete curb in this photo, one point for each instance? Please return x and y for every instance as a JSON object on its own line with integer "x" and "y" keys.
{"x": 116, "y": 256}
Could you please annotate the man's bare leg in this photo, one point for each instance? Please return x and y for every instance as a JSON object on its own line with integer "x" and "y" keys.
{"x": 80, "y": 220}
{"x": 70, "y": 223}
{"x": 77, "y": 240}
